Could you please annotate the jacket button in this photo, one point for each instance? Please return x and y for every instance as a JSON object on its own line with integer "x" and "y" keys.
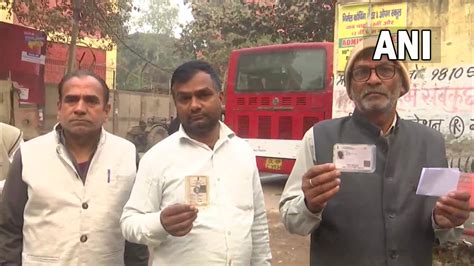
{"x": 393, "y": 254}
{"x": 85, "y": 205}
{"x": 83, "y": 238}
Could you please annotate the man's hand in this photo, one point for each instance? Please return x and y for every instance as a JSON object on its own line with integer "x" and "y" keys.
{"x": 320, "y": 183}
{"x": 178, "y": 219}
{"x": 452, "y": 210}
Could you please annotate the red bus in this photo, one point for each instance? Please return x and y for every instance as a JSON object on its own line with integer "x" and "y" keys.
{"x": 274, "y": 94}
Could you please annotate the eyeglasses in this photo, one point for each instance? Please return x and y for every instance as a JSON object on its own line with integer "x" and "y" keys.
{"x": 384, "y": 72}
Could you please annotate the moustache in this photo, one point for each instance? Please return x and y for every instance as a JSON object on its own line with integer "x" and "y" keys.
{"x": 379, "y": 90}
{"x": 197, "y": 116}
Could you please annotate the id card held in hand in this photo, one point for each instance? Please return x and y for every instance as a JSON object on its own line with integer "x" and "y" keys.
{"x": 354, "y": 157}
{"x": 197, "y": 190}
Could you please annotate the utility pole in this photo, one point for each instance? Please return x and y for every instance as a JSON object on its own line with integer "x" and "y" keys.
{"x": 76, "y": 13}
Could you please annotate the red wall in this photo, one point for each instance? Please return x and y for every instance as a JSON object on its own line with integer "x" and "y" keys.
{"x": 56, "y": 61}
{"x": 21, "y": 53}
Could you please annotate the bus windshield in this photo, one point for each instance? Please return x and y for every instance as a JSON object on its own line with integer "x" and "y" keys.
{"x": 293, "y": 70}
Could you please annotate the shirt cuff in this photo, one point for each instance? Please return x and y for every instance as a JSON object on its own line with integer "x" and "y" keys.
{"x": 446, "y": 235}
{"x": 153, "y": 229}
{"x": 307, "y": 212}
{"x": 298, "y": 219}
{"x": 433, "y": 223}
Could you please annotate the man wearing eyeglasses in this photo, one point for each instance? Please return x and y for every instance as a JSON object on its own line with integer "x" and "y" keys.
{"x": 371, "y": 218}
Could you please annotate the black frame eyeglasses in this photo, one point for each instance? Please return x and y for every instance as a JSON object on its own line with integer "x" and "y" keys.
{"x": 384, "y": 72}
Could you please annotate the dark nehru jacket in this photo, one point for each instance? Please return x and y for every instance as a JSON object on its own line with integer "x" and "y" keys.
{"x": 376, "y": 218}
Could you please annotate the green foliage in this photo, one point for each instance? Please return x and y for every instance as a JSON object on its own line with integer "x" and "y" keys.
{"x": 160, "y": 17}
{"x": 216, "y": 30}
{"x": 156, "y": 44}
{"x": 135, "y": 74}
{"x": 102, "y": 19}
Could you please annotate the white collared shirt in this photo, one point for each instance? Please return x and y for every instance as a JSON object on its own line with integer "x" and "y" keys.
{"x": 390, "y": 129}
{"x": 232, "y": 230}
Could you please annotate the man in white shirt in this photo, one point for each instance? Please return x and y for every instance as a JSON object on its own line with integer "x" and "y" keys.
{"x": 197, "y": 198}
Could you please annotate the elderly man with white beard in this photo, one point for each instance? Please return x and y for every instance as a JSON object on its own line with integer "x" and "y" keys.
{"x": 372, "y": 217}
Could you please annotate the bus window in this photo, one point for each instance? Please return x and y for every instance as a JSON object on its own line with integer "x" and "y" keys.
{"x": 293, "y": 70}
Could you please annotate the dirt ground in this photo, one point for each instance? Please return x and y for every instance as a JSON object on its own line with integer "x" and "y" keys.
{"x": 287, "y": 249}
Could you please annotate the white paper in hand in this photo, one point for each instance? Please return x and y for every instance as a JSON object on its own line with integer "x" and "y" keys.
{"x": 438, "y": 181}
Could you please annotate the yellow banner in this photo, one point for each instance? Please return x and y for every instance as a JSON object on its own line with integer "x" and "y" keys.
{"x": 5, "y": 17}
{"x": 353, "y": 24}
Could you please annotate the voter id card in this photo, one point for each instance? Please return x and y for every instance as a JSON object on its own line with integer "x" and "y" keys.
{"x": 197, "y": 190}
{"x": 354, "y": 157}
